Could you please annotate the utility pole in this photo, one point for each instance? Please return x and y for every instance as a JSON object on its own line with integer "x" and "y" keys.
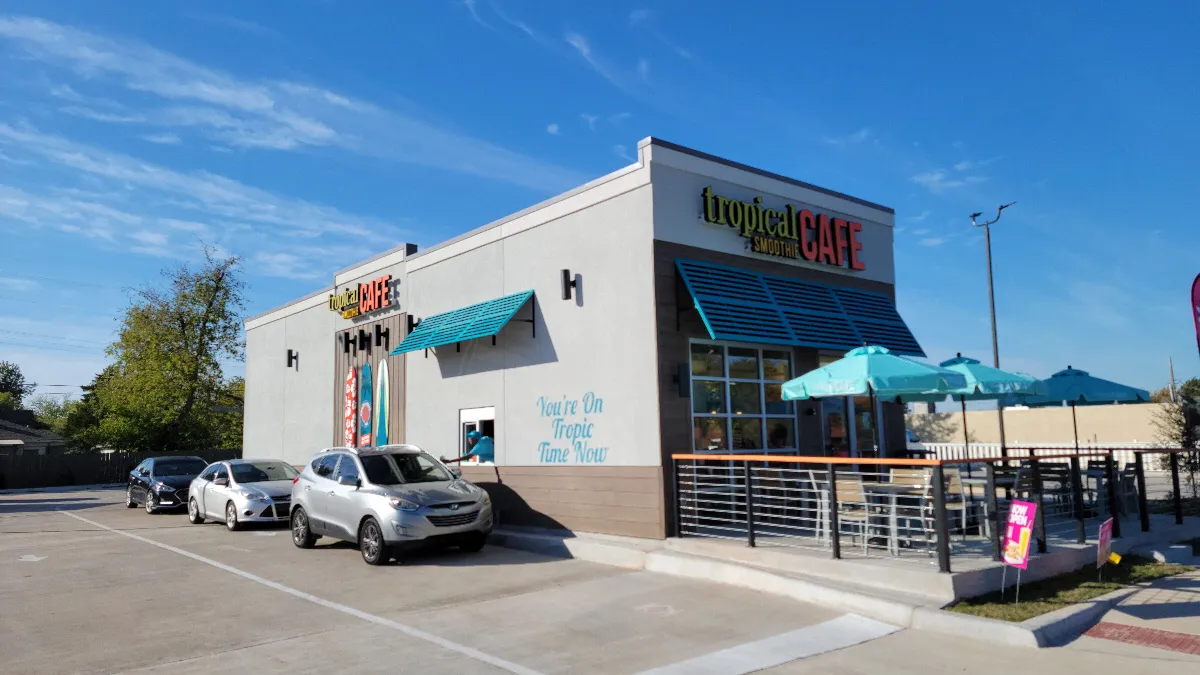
{"x": 1171, "y": 365}
{"x": 987, "y": 235}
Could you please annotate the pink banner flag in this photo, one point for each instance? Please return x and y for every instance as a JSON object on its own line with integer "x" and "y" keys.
{"x": 1196, "y": 307}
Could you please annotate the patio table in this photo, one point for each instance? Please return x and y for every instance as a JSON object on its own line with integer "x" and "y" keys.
{"x": 893, "y": 492}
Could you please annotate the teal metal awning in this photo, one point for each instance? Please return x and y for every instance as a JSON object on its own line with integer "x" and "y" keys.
{"x": 484, "y": 319}
{"x": 737, "y": 304}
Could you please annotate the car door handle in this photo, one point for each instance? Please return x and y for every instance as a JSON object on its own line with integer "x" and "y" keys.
{"x": 332, "y": 493}
{"x": 307, "y": 488}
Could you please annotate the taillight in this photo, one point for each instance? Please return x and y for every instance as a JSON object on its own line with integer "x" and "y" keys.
{"x": 295, "y": 480}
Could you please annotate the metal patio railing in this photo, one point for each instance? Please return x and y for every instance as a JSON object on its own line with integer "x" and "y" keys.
{"x": 926, "y": 509}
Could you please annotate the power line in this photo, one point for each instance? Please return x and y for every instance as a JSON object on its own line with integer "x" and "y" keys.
{"x": 74, "y": 349}
{"x": 53, "y": 337}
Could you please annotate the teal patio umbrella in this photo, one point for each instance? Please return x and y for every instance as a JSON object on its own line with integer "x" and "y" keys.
{"x": 984, "y": 383}
{"x": 1077, "y": 387}
{"x": 872, "y": 371}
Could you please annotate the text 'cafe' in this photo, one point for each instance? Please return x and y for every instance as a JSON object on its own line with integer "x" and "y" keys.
{"x": 655, "y": 310}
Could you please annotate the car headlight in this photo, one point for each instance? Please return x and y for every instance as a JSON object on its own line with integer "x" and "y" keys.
{"x": 163, "y": 487}
{"x": 402, "y": 504}
{"x": 485, "y": 497}
{"x": 254, "y": 497}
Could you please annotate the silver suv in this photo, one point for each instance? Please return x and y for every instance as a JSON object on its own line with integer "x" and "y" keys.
{"x": 387, "y": 500}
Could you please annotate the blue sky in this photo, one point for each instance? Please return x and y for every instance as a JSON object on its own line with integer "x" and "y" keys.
{"x": 307, "y": 135}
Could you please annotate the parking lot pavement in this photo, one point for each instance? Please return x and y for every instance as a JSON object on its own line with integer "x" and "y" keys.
{"x": 87, "y": 585}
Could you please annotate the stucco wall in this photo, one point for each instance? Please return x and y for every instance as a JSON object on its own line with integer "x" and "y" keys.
{"x": 600, "y": 343}
{"x": 288, "y": 410}
{"x": 1097, "y": 424}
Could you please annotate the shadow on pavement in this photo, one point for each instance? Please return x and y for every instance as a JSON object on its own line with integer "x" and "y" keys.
{"x": 46, "y": 505}
{"x": 448, "y": 556}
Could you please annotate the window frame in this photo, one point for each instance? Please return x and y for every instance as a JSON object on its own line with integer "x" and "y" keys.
{"x": 728, "y": 416}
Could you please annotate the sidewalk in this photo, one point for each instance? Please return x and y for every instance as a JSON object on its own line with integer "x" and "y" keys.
{"x": 1165, "y": 615}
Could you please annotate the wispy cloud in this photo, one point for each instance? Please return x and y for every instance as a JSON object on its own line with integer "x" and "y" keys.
{"x": 623, "y": 152}
{"x": 969, "y": 164}
{"x": 919, "y": 218}
{"x": 242, "y": 25}
{"x": 272, "y": 115}
{"x": 933, "y": 241}
{"x": 921, "y": 231}
{"x": 162, "y": 139}
{"x": 643, "y": 20}
{"x": 590, "y": 119}
{"x": 514, "y": 22}
{"x": 101, "y": 116}
{"x": 17, "y": 284}
{"x": 938, "y": 181}
{"x": 643, "y": 70}
{"x": 552, "y": 129}
{"x": 618, "y": 118}
{"x": 474, "y": 12}
{"x": 854, "y": 138}
{"x": 152, "y": 210}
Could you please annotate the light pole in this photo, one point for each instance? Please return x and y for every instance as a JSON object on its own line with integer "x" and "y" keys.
{"x": 987, "y": 236}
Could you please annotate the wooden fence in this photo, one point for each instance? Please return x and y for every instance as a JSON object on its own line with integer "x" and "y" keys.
{"x": 26, "y": 471}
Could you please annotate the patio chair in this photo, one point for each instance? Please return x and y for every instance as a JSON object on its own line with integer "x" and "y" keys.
{"x": 854, "y": 508}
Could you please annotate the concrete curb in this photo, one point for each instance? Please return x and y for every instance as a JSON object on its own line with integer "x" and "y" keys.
{"x": 62, "y": 488}
{"x": 1048, "y": 630}
{"x": 571, "y": 547}
{"x": 709, "y": 569}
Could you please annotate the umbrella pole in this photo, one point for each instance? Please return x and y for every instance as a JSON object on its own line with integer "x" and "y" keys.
{"x": 875, "y": 426}
{"x": 1075, "y": 423}
{"x": 966, "y": 436}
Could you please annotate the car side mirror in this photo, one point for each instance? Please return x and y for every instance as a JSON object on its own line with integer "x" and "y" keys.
{"x": 456, "y": 472}
{"x": 347, "y": 480}
{"x": 222, "y": 481}
{"x": 144, "y": 472}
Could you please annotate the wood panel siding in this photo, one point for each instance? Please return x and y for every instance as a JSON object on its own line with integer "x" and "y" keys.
{"x": 679, "y": 322}
{"x": 395, "y": 325}
{"x": 620, "y": 500}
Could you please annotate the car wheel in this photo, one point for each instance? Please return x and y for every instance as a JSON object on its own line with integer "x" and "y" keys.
{"x": 149, "y": 503}
{"x": 129, "y": 501}
{"x": 231, "y": 519}
{"x": 474, "y": 542}
{"x": 194, "y": 515}
{"x": 302, "y": 535}
{"x": 371, "y": 543}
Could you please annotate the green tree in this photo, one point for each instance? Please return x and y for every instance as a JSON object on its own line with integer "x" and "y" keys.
{"x": 53, "y": 411}
{"x": 12, "y": 381}
{"x": 165, "y": 389}
{"x": 1188, "y": 389}
{"x": 8, "y": 401}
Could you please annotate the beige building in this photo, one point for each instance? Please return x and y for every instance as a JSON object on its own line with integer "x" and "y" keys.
{"x": 1033, "y": 426}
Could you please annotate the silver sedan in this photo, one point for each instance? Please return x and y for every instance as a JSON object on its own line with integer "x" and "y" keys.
{"x": 242, "y": 491}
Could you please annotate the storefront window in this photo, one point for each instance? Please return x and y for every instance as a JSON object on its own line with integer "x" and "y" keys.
{"x": 837, "y": 442}
{"x": 743, "y": 363}
{"x": 864, "y": 426}
{"x": 708, "y": 361}
{"x": 737, "y": 398}
{"x": 708, "y": 397}
{"x": 747, "y": 433}
{"x": 744, "y": 398}
{"x": 709, "y": 433}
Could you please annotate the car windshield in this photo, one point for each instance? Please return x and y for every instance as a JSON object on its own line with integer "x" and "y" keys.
{"x": 178, "y": 467}
{"x": 258, "y": 472}
{"x": 407, "y": 467}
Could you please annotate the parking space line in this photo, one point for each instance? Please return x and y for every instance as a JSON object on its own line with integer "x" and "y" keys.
{"x": 379, "y": 620}
{"x": 844, "y": 631}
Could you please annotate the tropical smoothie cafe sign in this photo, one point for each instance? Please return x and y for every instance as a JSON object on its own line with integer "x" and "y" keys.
{"x": 364, "y": 298}
{"x": 792, "y": 233}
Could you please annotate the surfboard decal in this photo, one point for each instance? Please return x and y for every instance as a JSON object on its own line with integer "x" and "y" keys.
{"x": 364, "y": 407}
{"x": 350, "y": 421}
{"x": 381, "y": 403}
